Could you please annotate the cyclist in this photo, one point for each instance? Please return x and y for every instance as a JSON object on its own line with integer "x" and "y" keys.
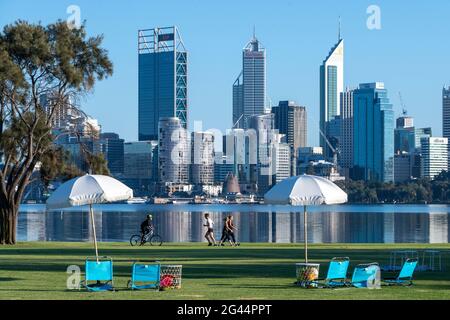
{"x": 146, "y": 227}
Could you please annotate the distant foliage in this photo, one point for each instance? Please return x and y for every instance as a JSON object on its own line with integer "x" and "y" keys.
{"x": 416, "y": 191}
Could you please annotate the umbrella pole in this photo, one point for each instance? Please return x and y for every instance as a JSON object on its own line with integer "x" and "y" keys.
{"x": 93, "y": 230}
{"x": 305, "y": 227}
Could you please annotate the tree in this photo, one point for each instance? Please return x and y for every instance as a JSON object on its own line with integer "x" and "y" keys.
{"x": 37, "y": 60}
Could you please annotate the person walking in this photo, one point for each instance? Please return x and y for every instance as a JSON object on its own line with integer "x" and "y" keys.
{"x": 209, "y": 235}
{"x": 225, "y": 233}
{"x": 231, "y": 228}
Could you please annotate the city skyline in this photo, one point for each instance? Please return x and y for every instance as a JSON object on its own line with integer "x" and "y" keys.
{"x": 291, "y": 73}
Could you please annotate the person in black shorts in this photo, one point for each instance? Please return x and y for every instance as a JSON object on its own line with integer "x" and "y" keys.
{"x": 209, "y": 235}
{"x": 146, "y": 226}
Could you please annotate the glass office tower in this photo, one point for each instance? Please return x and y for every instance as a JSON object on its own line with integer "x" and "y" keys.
{"x": 446, "y": 115}
{"x": 249, "y": 89}
{"x": 373, "y": 134}
{"x": 331, "y": 86}
{"x": 162, "y": 79}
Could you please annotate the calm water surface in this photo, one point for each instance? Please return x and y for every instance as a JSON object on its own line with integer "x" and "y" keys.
{"x": 256, "y": 223}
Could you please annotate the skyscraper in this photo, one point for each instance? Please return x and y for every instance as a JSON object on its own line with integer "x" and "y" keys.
{"x": 405, "y": 122}
{"x": 174, "y": 154}
{"x": 446, "y": 114}
{"x": 162, "y": 79}
{"x": 434, "y": 156}
{"x": 282, "y": 161}
{"x": 138, "y": 166}
{"x": 202, "y": 165}
{"x": 331, "y": 85}
{"x": 373, "y": 133}
{"x": 291, "y": 121}
{"x": 249, "y": 89}
{"x": 112, "y": 148}
{"x": 404, "y": 135}
{"x": 263, "y": 126}
{"x": 346, "y": 135}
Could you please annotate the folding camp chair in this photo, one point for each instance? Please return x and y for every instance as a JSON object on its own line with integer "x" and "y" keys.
{"x": 405, "y": 276}
{"x": 145, "y": 275}
{"x": 337, "y": 273}
{"x": 366, "y": 276}
{"x": 98, "y": 271}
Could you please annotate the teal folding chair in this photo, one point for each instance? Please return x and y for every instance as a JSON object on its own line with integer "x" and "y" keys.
{"x": 337, "y": 273}
{"x": 145, "y": 275}
{"x": 98, "y": 274}
{"x": 405, "y": 277}
{"x": 366, "y": 276}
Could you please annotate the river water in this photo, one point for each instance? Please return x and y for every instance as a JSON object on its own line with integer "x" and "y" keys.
{"x": 256, "y": 223}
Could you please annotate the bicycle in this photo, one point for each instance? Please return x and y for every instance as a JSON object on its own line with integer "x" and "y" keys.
{"x": 150, "y": 237}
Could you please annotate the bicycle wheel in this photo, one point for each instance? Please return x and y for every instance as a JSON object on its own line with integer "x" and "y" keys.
{"x": 135, "y": 240}
{"x": 156, "y": 240}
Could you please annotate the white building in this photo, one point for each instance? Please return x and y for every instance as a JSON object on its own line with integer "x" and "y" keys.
{"x": 174, "y": 152}
{"x": 434, "y": 156}
{"x": 331, "y": 85}
{"x": 282, "y": 161}
{"x": 202, "y": 166}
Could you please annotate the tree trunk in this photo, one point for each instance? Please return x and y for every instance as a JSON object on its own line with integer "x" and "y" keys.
{"x": 8, "y": 224}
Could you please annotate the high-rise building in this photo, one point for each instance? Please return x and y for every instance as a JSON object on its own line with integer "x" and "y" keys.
{"x": 331, "y": 85}
{"x": 373, "y": 133}
{"x": 263, "y": 125}
{"x": 173, "y": 152}
{"x": 238, "y": 102}
{"x": 162, "y": 79}
{"x": 282, "y": 159}
{"x": 112, "y": 148}
{"x": 402, "y": 167}
{"x": 240, "y": 150}
{"x": 291, "y": 121}
{"x": 405, "y": 122}
{"x": 404, "y": 135}
{"x": 222, "y": 168}
{"x": 249, "y": 89}
{"x": 446, "y": 114}
{"x": 346, "y": 135}
{"x": 202, "y": 165}
{"x": 139, "y": 160}
{"x": 420, "y": 133}
{"x": 404, "y": 140}
{"x": 434, "y": 156}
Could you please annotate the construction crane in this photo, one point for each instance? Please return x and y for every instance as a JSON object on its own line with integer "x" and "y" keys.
{"x": 404, "y": 111}
{"x": 336, "y": 151}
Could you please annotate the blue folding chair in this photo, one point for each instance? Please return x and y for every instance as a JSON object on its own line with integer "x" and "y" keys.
{"x": 337, "y": 273}
{"x": 405, "y": 276}
{"x": 366, "y": 276}
{"x": 98, "y": 274}
{"x": 145, "y": 275}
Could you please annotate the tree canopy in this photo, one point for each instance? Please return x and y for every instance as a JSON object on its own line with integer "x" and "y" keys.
{"x": 35, "y": 60}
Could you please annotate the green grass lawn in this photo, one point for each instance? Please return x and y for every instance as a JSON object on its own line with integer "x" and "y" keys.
{"x": 37, "y": 270}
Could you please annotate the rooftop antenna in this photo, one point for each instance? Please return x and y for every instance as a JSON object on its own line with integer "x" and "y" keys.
{"x": 254, "y": 32}
{"x": 339, "y": 32}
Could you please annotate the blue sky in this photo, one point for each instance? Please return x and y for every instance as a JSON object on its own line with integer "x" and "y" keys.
{"x": 410, "y": 53}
